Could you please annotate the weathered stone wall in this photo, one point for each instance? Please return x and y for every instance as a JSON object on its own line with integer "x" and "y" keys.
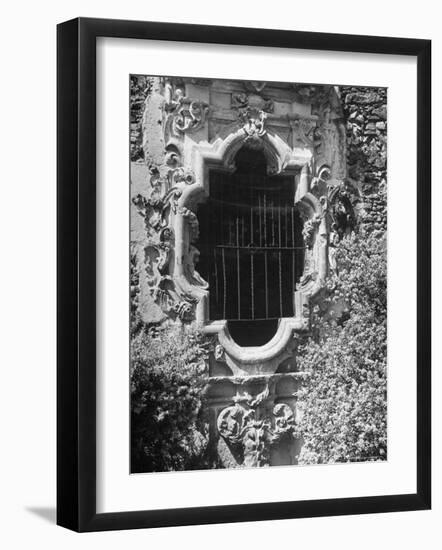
{"x": 365, "y": 110}
{"x": 139, "y": 88}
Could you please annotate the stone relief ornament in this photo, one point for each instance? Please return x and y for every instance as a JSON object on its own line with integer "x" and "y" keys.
{"x": 255, "y": 85}
{"x": 309, "y": 230}
{"x": 305, "y": 130}
{"x": 192, "y": 275}
{"x": 192, "y": 221}
{"x": 189, "y": 116}
{"x": 155, "y": 209}
{"x": 254, "y": 128}
{"x": 248, "y": 425}
{"x": 284, "y": 424}
{"x": 253, "y": 110}
{"x": 184, "y": 114}
{"x": 219, "y": 353}
{"x": 248, "y": 105}
{"x": 316, "y": 94}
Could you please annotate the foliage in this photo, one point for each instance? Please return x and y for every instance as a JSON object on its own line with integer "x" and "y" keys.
{"x": 344, "y": 396}
{"x": 168, "y": 378}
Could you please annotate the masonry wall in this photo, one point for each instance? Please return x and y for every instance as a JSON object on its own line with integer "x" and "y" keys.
{"x": 365, "y": 110}
{"x": 139, "y": 89}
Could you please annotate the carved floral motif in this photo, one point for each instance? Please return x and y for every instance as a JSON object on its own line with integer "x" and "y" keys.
{"x": 248, "y": 426}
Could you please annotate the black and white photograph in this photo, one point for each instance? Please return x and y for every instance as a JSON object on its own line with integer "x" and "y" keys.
{"x": 220, "y": 275}
{"x": 258, "y": 273}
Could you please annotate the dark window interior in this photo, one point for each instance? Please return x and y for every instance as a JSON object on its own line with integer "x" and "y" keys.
{"x": 251, "y": 246}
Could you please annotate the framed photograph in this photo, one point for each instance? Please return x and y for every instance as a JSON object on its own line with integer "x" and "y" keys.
{"x": 243, "y": 274}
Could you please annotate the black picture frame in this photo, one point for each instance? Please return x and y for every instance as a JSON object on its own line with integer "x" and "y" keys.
{"x": 76, "y": 274}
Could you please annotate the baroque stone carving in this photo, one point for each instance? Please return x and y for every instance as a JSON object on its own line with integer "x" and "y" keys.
{"x": 254, "y": 128}
{"x": 219, "y": 353}
{"x": 248, "y": 426}
{"x": 306, "y": 130}
{"x": 308, "y": 231}
{"x": 189, "y": 115}
{"x": 312, "y": 93}
{"x": 255, "y": 85}
{"x": 184, "y": 113}
{"x": 156, "y": 210}
{"x": 192, "y": 221}
{"x": 252, "y": 110}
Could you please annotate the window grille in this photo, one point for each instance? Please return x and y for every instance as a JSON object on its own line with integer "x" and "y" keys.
{"x": 252, "y": 253}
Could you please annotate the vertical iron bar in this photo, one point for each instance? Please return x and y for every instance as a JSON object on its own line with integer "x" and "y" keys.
{"x": 252, "y": 281}
{"x": 251, "y": 225}
{"x": 265, "y": 256}
{"x": 224, "y": 283}
{"x": 252, "y": 284}
{"x": 238, "y": 267}
{"x": 286, "y": 216}
{"x": 279, "y": 227}
{"x": 279, "y": 258}
{"x": 216, "y": 278}
{"x": 293, "y": 254}
{"x": 265, "y": 220}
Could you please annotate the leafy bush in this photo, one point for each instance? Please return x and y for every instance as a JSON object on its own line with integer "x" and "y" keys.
{"x": 168, "y": 378}
{"x": 344, "y": 397}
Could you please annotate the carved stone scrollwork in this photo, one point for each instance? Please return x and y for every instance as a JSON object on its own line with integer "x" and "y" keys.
{"x": 311, "y": 93}
{"x": 190, "y": 115}
{"x": 192, "y": 221}
{"x": 255, "y": 85}
{"x": 219, "y": 353}
{"x": 254, "y": 129}
{"x": 308, "y": 231}
{"x": 184, "y": 113}
{"x": 162, "y": 287}
{"x": 253, "y": 110}
{"x": 305, "y": 129}
{"x": 238, "y": 426}
{"x": 184, "y": 310}
{"x": 170, "y": 299}
{"x": 192, "y": 275}
{"x": 155, "y": 208}
{"x": 246, "y": 426}
{"x": 182, "y": 175}
{"x": 284, "y": 422}
{"x": 248, "y": 105}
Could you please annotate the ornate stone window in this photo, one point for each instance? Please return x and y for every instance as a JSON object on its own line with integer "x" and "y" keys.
{"x": 251, "y": 247}
{"x": 237, "y": 212}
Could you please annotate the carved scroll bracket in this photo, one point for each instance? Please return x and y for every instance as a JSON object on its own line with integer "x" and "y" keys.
{"x": 184, "y": 114}
{"x": 248, "y": 426}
